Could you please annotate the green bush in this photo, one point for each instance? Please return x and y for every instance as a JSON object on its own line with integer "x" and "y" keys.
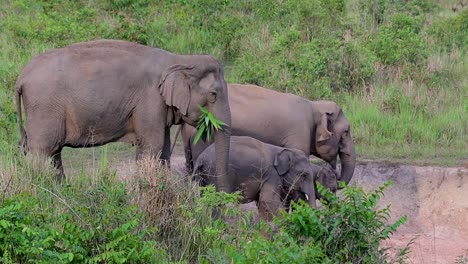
{"x": 345, "y": 230}
{"x": 104, "y": 227}
{"x": 451, "y": 32}
{"x": 400, "y": 42}
{"x": 348, "y": 229}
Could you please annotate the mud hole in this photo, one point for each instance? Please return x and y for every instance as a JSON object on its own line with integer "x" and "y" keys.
{"x": 435, "y": 199}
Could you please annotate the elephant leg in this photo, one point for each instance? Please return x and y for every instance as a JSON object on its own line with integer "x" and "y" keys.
{"x": 188, "y": 160}
{"x": 270, "y": 200}
{"x": 46, "y": 140}
{"x": 150, "y": 132}
{"x": 166, "y": 151}
{"x": 57, "y": 159}
{"x": 147, "y": 149}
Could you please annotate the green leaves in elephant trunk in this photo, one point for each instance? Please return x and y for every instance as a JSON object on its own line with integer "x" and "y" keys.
{"x": 209, "y": 123}
{"x": 206, "y": 124}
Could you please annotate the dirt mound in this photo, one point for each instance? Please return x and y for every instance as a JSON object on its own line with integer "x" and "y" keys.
{"x": 435, "y": 199}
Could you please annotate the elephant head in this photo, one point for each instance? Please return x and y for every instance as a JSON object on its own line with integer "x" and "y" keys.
{"x": 327, "y": 178}
{"x": 333, "y": 138}
{"x": 297, "y": 176}
{"x": 185, "y": 87}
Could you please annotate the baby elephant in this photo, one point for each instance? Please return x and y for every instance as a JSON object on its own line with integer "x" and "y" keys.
{"x": 264, "y": 173}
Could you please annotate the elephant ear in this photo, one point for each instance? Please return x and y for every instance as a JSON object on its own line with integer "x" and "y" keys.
{"x": 174, "y": 86}
{"x": 283, "y": 161}
{"x": 323, "y": 132}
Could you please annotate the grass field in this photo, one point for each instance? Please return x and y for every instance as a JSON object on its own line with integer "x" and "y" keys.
{"x": 397, "y": 68}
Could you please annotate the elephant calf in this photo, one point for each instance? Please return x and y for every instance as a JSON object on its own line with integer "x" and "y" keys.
{"x": 267, "y": 174}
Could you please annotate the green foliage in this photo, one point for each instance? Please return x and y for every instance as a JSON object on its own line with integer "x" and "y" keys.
{"x": 25, "y": 236}
{"x": 349, "y": 229}
{"x": 346, "y": 230}
{"x": 207, "y": 123}
{"x": 400, "y": 42}
{"x": 451, "y": 32}
{"x": 284, "y": 248}
{"x": 104, "y": 227}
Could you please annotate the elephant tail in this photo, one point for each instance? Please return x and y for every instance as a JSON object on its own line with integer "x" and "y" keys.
{"x": 23, "y": 140}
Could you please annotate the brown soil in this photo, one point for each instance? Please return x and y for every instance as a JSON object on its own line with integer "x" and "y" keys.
{"x": 435, "y": 199}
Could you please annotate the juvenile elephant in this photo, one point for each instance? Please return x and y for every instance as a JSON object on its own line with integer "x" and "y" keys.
{"x": 326, "y": 176}
{"x": 318, "y": 128}
{"x": 92, "y": 93}
{"x": 264, "y": 173}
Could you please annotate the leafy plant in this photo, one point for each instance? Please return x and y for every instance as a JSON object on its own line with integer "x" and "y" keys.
{"x": 450, "y": 33}
{"x": 207, "y": 123}
{"x": 96, "y": 225}
{"x": 400, "y": 41}
{"x": 462, "y": 259}
{"x": 346, "y": 230}
{"x": 349, "y": 229}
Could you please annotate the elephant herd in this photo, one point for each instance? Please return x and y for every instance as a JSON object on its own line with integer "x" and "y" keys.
{"x": 92, "y": 93}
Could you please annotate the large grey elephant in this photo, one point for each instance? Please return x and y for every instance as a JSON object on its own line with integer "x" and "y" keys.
{"x": 92, "y": 93}
{"x": 264, "y": 173}
{"x": 318, "y": 128}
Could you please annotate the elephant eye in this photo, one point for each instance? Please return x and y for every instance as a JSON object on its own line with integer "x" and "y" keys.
{"x": 212, "y": 97}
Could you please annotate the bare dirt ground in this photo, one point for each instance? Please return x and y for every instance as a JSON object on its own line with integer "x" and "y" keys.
{"x": 435, "y": 200}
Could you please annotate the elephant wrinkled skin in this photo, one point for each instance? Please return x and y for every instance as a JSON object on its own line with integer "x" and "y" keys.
{"x": 264, "y": 173}
{"x": 318, "y": 128}
{"x": 92, "y": 93}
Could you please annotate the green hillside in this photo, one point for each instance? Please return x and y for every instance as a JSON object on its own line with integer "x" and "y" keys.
{"x": 398, "y": 68}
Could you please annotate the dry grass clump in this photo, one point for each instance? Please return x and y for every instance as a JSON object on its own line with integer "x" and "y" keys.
{"x": 158, "y": 193}
{"x": 170, "y": 203}
{"x": 25, "y": 174}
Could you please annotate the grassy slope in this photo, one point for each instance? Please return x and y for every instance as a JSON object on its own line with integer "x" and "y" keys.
{"x": 398, "y": 70}
{"x": 407, "y": 104}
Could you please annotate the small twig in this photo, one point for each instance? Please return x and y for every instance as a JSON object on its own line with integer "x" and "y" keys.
{"x": 61, "y": 200}
{"x": 6, "y": 188}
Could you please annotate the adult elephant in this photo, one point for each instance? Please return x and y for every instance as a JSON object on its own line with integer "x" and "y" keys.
{"x": 92, "y": 93}
{"x": 318, "y": 128}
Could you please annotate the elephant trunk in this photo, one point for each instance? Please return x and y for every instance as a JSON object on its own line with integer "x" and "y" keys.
{"x": 348, "y": 161}
{"x": 222, "y": 144}
{"x": 309, "y": 192}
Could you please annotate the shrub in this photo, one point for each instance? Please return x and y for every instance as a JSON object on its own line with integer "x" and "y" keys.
{"x": 400, "y": 42}
{"x": 451, "y": 32}
{"x": 78, "y": 222}
{"x": 28, "y": 234}
{"x": 345, "y": 230}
